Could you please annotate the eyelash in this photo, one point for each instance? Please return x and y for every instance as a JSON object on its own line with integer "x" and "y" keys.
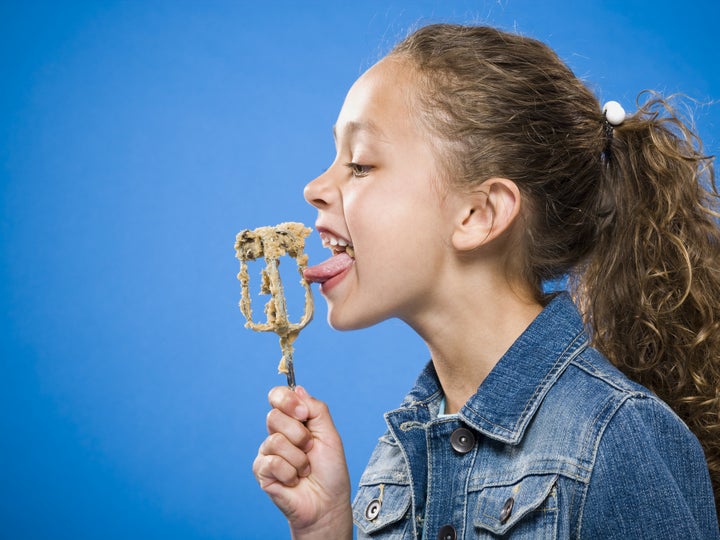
{"x": 358, "y": 170}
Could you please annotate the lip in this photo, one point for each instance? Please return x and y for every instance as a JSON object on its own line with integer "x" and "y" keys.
{"x": 334, "y": 281}
{"x": 321, "y": 229}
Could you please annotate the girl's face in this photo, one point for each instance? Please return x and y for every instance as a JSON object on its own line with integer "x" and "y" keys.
{"x": 384, "y": 197}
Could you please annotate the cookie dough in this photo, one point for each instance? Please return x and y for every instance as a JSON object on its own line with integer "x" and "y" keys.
{"x": 271, "y": 243}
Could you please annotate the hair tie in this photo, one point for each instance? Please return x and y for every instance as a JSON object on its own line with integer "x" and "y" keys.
{"x": 613, "y": 113}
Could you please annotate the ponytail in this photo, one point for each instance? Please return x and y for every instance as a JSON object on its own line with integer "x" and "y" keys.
{"x": 650, "y": 289}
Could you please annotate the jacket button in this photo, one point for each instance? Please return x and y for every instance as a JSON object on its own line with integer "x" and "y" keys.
{"x": 462, "y": 440}
{"x": 507, "y": 510}
{"x": 447, "y": 533}
{"x": 372, "y": 509}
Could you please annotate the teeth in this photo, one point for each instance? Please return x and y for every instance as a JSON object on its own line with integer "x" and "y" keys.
{"x": 329, "y": 240}
{"x": 350, "y": 251}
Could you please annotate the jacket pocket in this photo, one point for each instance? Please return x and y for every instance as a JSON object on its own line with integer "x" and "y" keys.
{"x": 381, "y": 509}
{"x": 527, "y": 508}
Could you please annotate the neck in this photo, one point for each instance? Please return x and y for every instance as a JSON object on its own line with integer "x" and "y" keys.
{"x": 469, "y": 331}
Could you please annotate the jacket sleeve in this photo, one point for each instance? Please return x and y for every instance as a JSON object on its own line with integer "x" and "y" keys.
{"x": 649, "y": 480}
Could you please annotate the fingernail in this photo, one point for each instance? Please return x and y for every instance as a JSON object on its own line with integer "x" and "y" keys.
{"x": 301, "y": 412}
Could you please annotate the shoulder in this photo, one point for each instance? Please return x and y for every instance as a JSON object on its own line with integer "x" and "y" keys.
{"x": 625, "y": 410}
{"x": 616, "y": 416}
{"x": 595, "y": 413}
{"x": 644, "y": 432}
{"x": 583, "y": 403}
{"x": 648, "y": 475}
{"x": 600, "y": 392}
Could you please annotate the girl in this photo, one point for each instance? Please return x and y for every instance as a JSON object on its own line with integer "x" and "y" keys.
{"x": 472, "y": 169}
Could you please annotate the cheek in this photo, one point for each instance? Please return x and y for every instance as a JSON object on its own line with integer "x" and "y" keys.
{"x": 366, "y": 212}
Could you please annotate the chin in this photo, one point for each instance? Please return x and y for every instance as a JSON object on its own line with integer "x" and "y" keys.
{"x": 345, "y": 321}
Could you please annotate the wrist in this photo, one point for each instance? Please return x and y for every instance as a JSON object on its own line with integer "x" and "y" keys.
{"x": 332, "y": 526}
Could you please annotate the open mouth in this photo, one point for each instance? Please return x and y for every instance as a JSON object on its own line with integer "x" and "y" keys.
{"x": 337, "y": 244}
{"x": 343, "y": 258}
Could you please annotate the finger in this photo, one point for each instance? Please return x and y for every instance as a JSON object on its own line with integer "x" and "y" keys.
{"x": 293, "y": 430}
{"x": 284, "y": 399}
{"x": 273, "y": 469}
{"x": 278, "y": 445}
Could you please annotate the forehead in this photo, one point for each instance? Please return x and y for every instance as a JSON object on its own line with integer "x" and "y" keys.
{"x": 380, "y": 102}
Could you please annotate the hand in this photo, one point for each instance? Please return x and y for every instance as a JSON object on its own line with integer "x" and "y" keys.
{"x": 301, "y": 466}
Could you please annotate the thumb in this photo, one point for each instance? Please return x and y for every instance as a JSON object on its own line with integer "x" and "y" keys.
{"x": 319, "y": 421}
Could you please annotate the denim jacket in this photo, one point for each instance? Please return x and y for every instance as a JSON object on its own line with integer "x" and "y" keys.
{"x": 556, "y": 443}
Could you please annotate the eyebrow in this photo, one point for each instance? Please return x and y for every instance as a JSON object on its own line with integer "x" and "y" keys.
{"x": 354, "y": 127}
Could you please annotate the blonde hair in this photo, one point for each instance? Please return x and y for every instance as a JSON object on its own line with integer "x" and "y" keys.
{"x": 629, "y": 213}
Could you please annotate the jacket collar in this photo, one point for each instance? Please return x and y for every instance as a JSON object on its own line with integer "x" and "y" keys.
{"x": 510, "y": 395}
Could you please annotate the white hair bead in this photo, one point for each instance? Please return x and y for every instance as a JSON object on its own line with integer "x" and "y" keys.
{"x": 614, "y": 113}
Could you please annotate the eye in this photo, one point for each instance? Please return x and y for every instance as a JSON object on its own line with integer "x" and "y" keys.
{"x": 358, "y": 170}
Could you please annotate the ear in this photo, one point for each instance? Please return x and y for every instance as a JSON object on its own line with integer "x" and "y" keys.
{"x": 486, "y": 213}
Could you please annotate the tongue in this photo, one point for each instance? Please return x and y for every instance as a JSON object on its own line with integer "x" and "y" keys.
{"x": 332, "y": 267}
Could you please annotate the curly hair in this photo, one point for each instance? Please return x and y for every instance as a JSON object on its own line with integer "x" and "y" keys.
{"x": 651, "y": 288}
{"x": 628, "y": 214}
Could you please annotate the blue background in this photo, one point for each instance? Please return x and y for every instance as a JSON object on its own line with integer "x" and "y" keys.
{"x": 136, "y": 139}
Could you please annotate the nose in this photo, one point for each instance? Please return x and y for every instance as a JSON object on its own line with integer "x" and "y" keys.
{"x": 318, "y": 192}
